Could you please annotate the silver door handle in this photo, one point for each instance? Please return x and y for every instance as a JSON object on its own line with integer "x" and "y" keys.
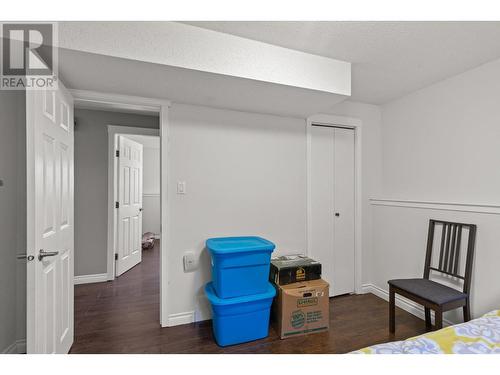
{"x": 44, "y": 254}
{"x": 25, "y": 256}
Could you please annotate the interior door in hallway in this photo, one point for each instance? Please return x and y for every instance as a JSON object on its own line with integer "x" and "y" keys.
{"x": 50, "y": 226}
{"x": 332, "y": 205}
{"x": 129, "y": 207}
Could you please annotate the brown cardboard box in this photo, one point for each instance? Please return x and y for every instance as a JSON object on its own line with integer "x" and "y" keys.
{"x": 302, "y": 308}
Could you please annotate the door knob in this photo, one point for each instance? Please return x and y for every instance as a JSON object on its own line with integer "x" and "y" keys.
{"x": 44, "y": 254}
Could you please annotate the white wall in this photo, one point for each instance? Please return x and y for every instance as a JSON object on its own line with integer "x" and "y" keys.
{"x": 151, "y": 190}
{"x": 441, "y": 144}
{"x": 245, "y": 175}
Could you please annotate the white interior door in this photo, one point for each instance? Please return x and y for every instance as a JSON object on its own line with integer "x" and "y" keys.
{"x": 343, "y": 228}
{"x": 332, "y": 205}
{"x": 322, "y": 203}
{"x": 50, "y": 202}
{"x": 129, "y": 211}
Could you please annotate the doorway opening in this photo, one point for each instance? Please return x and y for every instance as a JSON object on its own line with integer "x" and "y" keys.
{"x": 151, "y": 136}
{"x": 117, "y": 217}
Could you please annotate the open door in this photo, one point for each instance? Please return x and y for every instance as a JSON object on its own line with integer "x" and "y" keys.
{"x": 129, "y": 204}
{"x": 50, "y": 229}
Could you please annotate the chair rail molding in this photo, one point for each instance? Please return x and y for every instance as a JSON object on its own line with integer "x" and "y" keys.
{"x": 482, "y": 208}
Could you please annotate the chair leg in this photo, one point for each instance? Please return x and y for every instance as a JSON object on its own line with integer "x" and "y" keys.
{"x": 467, "y": 311}
{"x": 428, "y": 322}
{"x": 392, "y": 310}
{"x": 438, "y": 319}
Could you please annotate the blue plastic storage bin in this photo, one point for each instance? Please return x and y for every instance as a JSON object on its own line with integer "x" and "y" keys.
{"x": 240, "y": 319}
{"x": 240, "y": 265}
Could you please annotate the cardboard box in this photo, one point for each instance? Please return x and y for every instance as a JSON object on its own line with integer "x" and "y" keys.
{"x": 302, "y": 308}
{"x": 290, "y": 269}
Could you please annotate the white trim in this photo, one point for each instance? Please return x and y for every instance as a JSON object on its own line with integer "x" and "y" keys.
{"x": 160, "y": 106}
{"x": 117, "y": 129}
{"x": 21, "y": 346}
{"x": 31, "y": 306}
{"x": 401, "y": 302}
{"x": 165, "y": 243}
{"x": 113, "y": 131}
{"x": 151, "y": 195}
{"x": 105, "y": 101}
{"x": 356, "y": 124}
{"x": 89, "y": 279}
{"x": 483, "y": 208}
{"x": 180, "y": 318}
{"x": 11, "y": 349}
{"x": 17, "y": 347}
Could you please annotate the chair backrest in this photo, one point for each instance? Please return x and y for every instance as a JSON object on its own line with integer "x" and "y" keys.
{"x": 449, "y": 250}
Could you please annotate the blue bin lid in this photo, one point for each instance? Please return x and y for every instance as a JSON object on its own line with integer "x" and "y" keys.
{"x": 215, "y": 300}
{"x": 227, "y": 245}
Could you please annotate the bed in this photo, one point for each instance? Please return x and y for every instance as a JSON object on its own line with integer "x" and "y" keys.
{"x": 478, "y": 336}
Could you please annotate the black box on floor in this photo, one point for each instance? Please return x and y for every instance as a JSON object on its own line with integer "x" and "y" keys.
{"x": 290, "y": 269}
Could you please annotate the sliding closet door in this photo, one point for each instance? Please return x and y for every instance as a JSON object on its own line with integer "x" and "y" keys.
{"x": 332, "y": 205}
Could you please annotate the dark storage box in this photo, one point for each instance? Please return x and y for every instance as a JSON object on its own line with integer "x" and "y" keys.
{"x": 290, "y": 269}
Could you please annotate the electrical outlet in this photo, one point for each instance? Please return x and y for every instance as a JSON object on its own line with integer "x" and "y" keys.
{"x": 190, "y": 261}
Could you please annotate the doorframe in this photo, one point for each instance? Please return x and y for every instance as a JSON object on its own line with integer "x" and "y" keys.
{"x": 113, "y": 131}
{"x": 136, "y": 104}
{"x": 349, "y": 123}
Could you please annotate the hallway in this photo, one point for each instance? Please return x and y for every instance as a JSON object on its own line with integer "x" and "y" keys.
{"x": 110, "y": 316}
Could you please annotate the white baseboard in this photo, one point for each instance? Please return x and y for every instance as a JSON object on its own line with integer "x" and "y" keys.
{"x": 88, "y": 279}
{"x": 21, "y": 346}
{"x": 17, "y": 347}
{"x": 180, "y": 318}
{"x": 11, "y": 349}
{"x": 402, "y": 302}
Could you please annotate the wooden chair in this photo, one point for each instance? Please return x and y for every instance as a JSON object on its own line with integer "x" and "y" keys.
{"x": 431, "y": 294}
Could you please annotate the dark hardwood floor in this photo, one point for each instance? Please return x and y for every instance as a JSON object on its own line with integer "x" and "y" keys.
{"x": 122, "y": 316}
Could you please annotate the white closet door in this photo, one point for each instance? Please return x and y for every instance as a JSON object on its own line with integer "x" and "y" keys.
{"x": 322, "y": 203}
{"x": 343, "y": 189}
{"x": 332, "y": 205}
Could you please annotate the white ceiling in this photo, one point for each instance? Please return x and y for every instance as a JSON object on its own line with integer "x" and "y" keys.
{"x": 390, "y": 59}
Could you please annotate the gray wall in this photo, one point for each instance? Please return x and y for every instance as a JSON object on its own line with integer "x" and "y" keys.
{"x": 12, "y": 218}
{"x": 91, "y": 184}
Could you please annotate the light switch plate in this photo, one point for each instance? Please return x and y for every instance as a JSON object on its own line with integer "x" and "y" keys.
{"x": 181, "y": 187}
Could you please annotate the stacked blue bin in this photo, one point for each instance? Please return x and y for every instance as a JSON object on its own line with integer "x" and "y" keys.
{"x": 240, "y": 292}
